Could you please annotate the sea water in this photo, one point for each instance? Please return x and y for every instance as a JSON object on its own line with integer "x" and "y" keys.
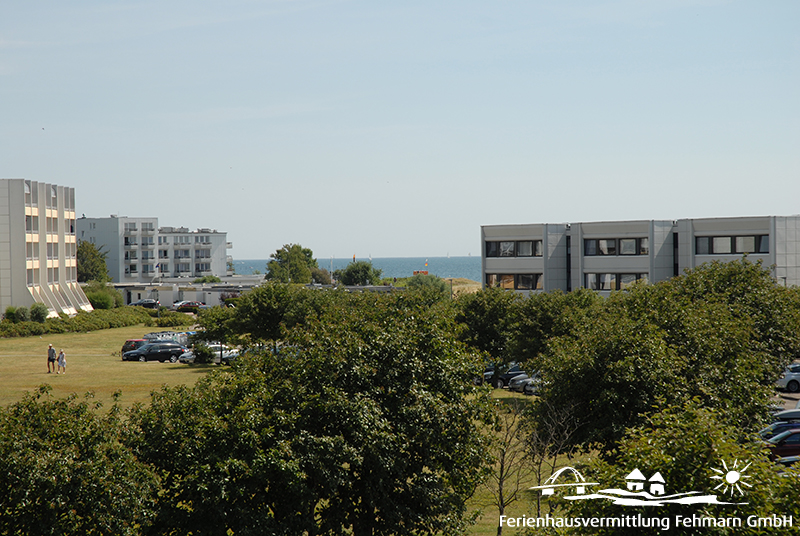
{"x": 466, "y": 267}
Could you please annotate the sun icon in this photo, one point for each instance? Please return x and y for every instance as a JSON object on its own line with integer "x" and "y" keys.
{"x": 731, "y": 478}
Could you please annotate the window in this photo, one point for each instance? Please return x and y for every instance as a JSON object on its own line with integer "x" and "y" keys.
{"x": 147, "y": 240}
{"x": 627, "y": 246}
{"x": 599, "y": 246}
{"x": 202, "y": 267}
{"x": 163, "y": 267}
{"x": 612, "y": 281}
{"x": 163, "y": 254}
{"x": 528, "y": 282}
{"x": 505, "y": 281}
{"x": 508, "y": 248}
{"x": 644, "y": 246}
{"x": 727, "y": 245}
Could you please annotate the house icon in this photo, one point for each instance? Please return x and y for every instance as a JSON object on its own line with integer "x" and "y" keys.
{"x": 635, "y": 480}
{"x": 657, "y": 484}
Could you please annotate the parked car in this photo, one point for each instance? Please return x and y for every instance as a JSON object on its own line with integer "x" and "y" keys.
{"x": 228, "y": 354}
{"x": 133, "y": 344}
{"x": 776, "y": 428}
{"x": 189, "y": 307}
{"x": 532, "y": 386}
{"x": 178, "y": 304}
{"x": 502, "y": 380}
{"x": 150, "y": 304}
{"x": 785, "y": 444}
{"x": 516, "y": 383}
{"x": 790, "y": 379}
{"x": 156, "y": 351}
{"x": 787, "y": 415}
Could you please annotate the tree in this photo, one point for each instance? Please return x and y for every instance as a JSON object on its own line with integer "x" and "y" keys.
{"x": 506, "y": 481}
{"x": 685, "y": 444}
{"x": 720, "y": 334}
{"x": 102, "y": 295}
{"x": 358, "y": 273}
{"x": 352, "y": 431}
{"x": 291, "y": 264}
{"x": 63, "y": 470}
{"x": 39, "y": 312}
{"x": 91, "y": 263}
{"x": 488, "y": 316}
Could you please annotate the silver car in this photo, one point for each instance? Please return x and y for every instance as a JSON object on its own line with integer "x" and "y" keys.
{"x": 790, "y": 379}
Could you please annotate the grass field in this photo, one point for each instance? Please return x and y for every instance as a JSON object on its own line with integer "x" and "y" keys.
{"x": 93, "y": 364}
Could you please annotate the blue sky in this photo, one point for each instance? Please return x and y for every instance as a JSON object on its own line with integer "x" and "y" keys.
{"x": 399, "y": 128}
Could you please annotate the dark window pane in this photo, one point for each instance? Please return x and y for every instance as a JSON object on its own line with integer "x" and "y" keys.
{"x": 607, "y": 281}
{"x": 492, "y": 249}
{"x": 525, "y": 248}
{"x": 590, "y": 247}
{"x": 525, "y": 281}
{"x": 607, "y": 247}
{"x": 763, "y": 244}
{"x": 702, "y": 245}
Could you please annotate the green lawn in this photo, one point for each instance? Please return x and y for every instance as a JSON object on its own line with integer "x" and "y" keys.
{"x": 93, "y": 364}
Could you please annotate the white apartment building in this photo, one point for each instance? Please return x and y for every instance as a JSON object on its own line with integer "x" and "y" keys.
{"x": 139, "y": 251}
{"x": 607, "y": 256}
{"x": 38, "y": 247}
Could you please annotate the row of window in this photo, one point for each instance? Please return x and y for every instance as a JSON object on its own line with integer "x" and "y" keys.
{"x": 616, "y": 246}
{"x": 514, "y": 248}
{"x": 162, "y": 267}
{"x": 726, "y": 245}
{"x": 612, "y": 281}
{"x": 53, "y": 275}
{"x": 515, "y": 281}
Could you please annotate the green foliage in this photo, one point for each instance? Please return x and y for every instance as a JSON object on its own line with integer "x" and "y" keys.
{"x": 82, "y": 322}
{"x": 320, "y": 276}
{"x": 11, "y": 314}
{"x": 720, "y": 334}
{"x": 353, "y": 431}
{"x": 64, "y": 471}
{"x": 91, "y": 263}
{"x": 429, "y": 283}
{"x": 21, "y": 314}
{"x": 171, "y": 319}
{"x": 39, "y": 312}
{"x": 685, "y": 444}
{"x": 488, "y": 316}
{"x": 291, "y": 264}
{"x": 358, "y": 273}
{"x": 102, "y": 295}
{"x": 218, "y": 323}
{"x": 202, "y": 353}
{"x": 207, "y": 279}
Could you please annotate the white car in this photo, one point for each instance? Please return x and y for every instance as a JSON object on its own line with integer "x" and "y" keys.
{"x": 790, "y": 379}
{"x": 228, "y": 354}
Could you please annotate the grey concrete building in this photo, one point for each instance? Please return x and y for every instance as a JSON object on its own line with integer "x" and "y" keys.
{"x": 607, "y": 256}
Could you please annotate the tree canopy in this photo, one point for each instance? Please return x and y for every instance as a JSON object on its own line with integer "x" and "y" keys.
{"x": 359, "y": 273}
{"x": 291, "y": 264}
{"x": 91, "y": 263}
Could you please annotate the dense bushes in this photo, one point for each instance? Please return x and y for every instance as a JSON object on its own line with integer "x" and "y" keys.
{"x": 83, "y": 321}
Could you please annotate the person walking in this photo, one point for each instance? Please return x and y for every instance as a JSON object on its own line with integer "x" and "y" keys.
{"x": 51, "y": 359}
{"x": 62, "y": 362}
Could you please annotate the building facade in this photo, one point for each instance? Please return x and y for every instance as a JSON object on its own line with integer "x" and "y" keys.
{"x": 608, "y": 256}
{"x": 139, "y": 251}
{"x": 38, "y": 247}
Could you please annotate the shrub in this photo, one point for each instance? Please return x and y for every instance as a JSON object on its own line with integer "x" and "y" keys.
{"x": 39, "y": 312}
{"x": 100, "y": 300}
{"x": 22, "y": 314}
{"x": 202, "y": 353}
{"x": 11, "y": 313}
